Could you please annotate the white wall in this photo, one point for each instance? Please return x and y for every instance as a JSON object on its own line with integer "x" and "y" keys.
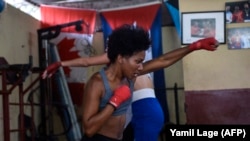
{"x": 223, "y": 69}
{"x": 173, "y": 74}
{"x": 18, "y": 40}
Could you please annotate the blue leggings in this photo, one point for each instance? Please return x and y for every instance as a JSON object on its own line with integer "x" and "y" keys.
{"x": 147, "y": 119}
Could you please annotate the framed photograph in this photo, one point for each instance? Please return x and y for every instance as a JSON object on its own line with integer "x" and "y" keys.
{"x": 238, "y": 38}
{"x": 199, "y": 25}
{"x": 237, "y": 12}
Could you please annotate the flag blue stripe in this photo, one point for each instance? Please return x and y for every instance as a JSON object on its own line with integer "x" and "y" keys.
{"x": 159, "y": 78}
{"x": 175, "y": 14}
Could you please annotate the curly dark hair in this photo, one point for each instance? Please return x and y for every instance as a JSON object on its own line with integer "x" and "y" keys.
{"x": 127, "y": 40}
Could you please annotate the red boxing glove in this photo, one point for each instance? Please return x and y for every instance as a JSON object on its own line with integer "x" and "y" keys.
{"x": 207, "y": 43}
{"x": 120, "y": 95}
{"x": 51, "y": 69}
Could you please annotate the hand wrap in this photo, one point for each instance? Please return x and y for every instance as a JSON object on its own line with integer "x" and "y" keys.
{"x": 51, "y": 69}
{"x": 207, "y": 43}
{"x": 120, "y": 95}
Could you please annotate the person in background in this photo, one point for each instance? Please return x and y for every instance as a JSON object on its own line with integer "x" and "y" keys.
{"x": 229, "y": 15}
{"x": 147, "y": 117}
{"x": 105, "y": 117}
{"x": 246, "y": 12}
{"x": 195, "y": 29}
{"x": 237, "y": 15}
{"x": 235, "y": 40}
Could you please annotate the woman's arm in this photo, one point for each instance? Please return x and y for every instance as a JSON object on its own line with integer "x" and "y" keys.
{"x": 92, "y": 118}
{"x": 86, "y": 61}
{"x": 172, "y": 57}
{"x": 79, "y": 62}
{"x": 165, "y": 60}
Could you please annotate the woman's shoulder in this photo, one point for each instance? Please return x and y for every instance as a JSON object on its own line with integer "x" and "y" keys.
{"x": 95, "y": 77}
{"x": 95, "y": 83}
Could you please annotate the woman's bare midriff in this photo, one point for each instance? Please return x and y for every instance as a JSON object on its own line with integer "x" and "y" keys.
{"x": 114, "y": 127}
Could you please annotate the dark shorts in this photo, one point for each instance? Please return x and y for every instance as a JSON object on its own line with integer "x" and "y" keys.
{"x": 128, "y": 134}
{"x": 98, "y": 137}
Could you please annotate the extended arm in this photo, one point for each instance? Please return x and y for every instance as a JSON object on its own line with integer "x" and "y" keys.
{"x": 86, "y": 61}
{"x": 171, "y": 57}
{"x": 79, "y": 62}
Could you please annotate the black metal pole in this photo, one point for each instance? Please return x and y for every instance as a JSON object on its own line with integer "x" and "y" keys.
{"x": 176, "y": 103}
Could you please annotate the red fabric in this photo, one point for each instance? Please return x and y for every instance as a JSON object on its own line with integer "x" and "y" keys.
{"x": 144, "y": 16}
{"x": 65, "y": 54}
{"x": 76, "y": 91}
{"x": 53, "y": 15}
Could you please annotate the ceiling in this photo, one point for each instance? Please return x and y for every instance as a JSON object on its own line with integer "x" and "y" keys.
{"x": 91, "y": 3}
{"x": 105, "y": 4}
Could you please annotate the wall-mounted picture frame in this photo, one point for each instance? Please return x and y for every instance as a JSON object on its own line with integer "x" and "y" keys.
{"x": 238, "y": 38}
{"x": 199, "y": 25}
{"x": 237, "y": 12}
